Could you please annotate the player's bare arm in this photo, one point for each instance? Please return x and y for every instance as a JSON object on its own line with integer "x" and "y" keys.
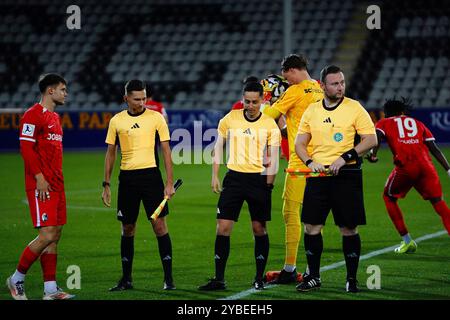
{"x": 217, "y": 159}
{"x": 437, "y": 153}
{"x": 301, "y": 143}
{"x": 110, "y": 158}
{"x": 271, "y": 167}
{"x": 368, "y": 141}
{"x": 169, "y": 191}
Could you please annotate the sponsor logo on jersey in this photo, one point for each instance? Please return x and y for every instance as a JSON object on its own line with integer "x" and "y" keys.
{"x": 327, "y": 120}
{"x": 54, "y": 137}
{"x": 28, "y": 129}
{"x": 135, "y": 126}
{"x": 248, "y": 131}
{"x": 44, "y": 217}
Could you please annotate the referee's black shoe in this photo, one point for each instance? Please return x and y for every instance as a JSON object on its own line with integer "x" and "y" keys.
{"x": 168, "y": 285}
{"x": 258, "y": 284}
{"x": 351, "y": 285}
{"x": 123, "y": 284}
{"x": 308, "y": 283}
{"x": 213, "y": 285}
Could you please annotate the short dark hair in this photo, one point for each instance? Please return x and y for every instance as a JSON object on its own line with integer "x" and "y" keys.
{"x": 393, "y": 107}
{"x": 134, "y": 85}
{"x": 297, "y": 61}
{"x": 328, "y": 70}
{"x": 50, "y": 79}
{"x": 250, "y": 79}
{"x": 254, "y": 87}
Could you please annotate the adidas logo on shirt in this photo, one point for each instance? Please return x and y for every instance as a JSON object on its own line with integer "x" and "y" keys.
{"x": 167, "y": 258}
{"x": 327, "y": 120}
{"x": 135, "y": 126}
{"x": 260, "y": 257}
{"x": 248, "y": 131}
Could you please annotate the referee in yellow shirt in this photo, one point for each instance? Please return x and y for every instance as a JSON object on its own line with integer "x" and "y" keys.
{"x": 302, "y": 91}
{"x": 253, "y": 141}
{"x": 134, "y": 130}
{"x": 330, "y": 127}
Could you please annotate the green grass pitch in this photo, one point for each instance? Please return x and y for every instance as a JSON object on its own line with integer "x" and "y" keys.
{"x": 91, "y": 240}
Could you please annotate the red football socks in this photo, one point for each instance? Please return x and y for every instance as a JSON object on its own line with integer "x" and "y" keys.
{"x": 442, "y": 209}
{"x": 396, "y": 215}
{"x": 27, "y": 258}
{"x": 48, "y": 264}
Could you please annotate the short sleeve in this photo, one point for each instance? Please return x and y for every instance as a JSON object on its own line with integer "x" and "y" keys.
{"x": 364, "y": 123}
{"x": 304, "y": 126}
{"x": 287, "y": 100}
{"x": 274, "y": 136}
{"x": 427, "y": 135}
{"x": 112, "y": 132}
{"x": 162, "y": 128}
{"x": 223, "y": 127}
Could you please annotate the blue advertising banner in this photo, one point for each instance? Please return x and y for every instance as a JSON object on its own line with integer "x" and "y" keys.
{"x": 437, "y": 120}
{"x": 195, "y": 128}
{"x": 87, "y": 130}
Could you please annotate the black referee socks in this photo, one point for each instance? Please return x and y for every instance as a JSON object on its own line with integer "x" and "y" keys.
{"x": 351, "y": 245}
{"x": 165, "y": 252}
{"x": 261, "y": 254}
{"x": 313, "y": 250}
{"x": 221, "y": 253}
{"x": 127, "y": 254}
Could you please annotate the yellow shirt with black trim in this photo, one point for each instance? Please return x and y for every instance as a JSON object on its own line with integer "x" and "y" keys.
{"x": 293, "y": 103}
{"x": 136, "y": 136}
{"x": 333, "y": 131}
{"x": 247, "y": 140}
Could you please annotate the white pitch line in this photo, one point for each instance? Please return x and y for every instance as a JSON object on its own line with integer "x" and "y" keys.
{"x": 369, "y": 255}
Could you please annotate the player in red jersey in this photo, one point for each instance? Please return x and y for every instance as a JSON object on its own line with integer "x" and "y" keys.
{"x": 410, "y": 142}
{"x": 41, "y": 148}
{"x": 155, "y": 105}
{"x": 158, "y": 107}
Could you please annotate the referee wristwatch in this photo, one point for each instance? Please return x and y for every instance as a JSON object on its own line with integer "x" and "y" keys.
{"x": 104, "y": 184}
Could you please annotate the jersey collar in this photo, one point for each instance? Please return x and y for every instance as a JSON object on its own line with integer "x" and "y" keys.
{"x": 332, "y": 108}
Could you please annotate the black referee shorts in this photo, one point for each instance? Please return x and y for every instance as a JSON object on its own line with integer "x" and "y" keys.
{"x": 239, "y": 187}
{"x": 342, "y": 194}
{"x": 136, "y": 185}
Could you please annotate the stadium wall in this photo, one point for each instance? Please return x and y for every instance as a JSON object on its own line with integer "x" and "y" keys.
{"x": 87, "y": 129}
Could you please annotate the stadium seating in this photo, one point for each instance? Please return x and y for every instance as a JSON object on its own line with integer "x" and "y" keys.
{"x": 196, "y": 52}
{"x": 408, "y": 57}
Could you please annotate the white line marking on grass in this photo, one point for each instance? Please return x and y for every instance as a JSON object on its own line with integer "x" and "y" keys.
{"x": 369, "y": 255}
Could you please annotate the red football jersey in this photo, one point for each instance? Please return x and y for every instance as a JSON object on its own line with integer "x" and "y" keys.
{"x": 156, "y": 106}
{"x": 406, "y": 137}
{"x": 40, "y": 135}
{"x": 238, "y": 105}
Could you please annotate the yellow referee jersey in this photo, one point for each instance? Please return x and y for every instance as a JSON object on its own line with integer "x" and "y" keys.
{"x": 136, "y": 134}
{"x": 333, "y": 130}
{"x": 247, "y": 140}
{"x": 293, "y": 103}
